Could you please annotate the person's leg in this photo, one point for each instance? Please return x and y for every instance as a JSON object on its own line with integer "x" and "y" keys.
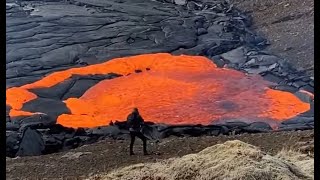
{"x": 133, "y": 137}
{"x": 144, "y": 141}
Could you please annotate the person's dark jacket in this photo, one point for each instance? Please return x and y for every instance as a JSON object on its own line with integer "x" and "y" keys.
{"x": 135, "y": 122}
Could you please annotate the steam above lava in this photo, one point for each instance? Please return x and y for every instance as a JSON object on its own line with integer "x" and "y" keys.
{"x": 169, "y": 89}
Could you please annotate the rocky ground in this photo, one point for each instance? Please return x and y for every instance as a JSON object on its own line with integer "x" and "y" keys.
{"x": 107, "y": 155}
{"x": 288, "y": 25}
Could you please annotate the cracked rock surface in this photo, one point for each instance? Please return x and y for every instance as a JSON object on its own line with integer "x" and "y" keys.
{"x": 47, "y": 36}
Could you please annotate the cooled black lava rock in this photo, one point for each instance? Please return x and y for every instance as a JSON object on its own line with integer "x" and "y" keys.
{"x": 73, "y": 87}
{"x": 234, "y": 124}
{"x": 308, "y": 88}
{"x": 10, "y": 126}
{"x": 296, "y": 127}
{"x": 217, "y": 131}
{"x": 285, "y": 88}
{"x": 304, "y": 96}
{"x": 235, "y": 56}
{"x": 56, "y": 92}
{"x": 72, "y": 143}
{"x": 80, "y": 132}
{"x": 59, "y": 39}
{"x": 299, "y": 83}
{"x": 239, "y": 127}
{"x": 138, "y": 71}
{"x": 188, "y": 130}
{"x": 297, "y": 123}
{"x": 218, "y": 61}
{"x": 53, "y": 108}
{"x": 111, "y": 131}
{"x": 31, "y": 144}
{"x": 60, "y": 137}
{"x": 12, "y": 143}
{"x": 36, "y": 121}
{"x": 298, "y": 120}
{"x": 273, "y": 78}
{"x": 52, "y": 144}
{"x": 38, "y": 118}
{"x": 257, "y": 127}
{"x": 58, "y": 128}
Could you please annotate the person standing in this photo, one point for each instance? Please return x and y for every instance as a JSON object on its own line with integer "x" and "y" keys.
{"x": 135, "y": 123}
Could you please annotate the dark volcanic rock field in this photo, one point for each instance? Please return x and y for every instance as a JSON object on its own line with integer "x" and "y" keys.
{"x": 47, "y": 36}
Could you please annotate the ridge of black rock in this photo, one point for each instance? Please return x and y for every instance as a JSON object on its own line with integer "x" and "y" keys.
{"x": 75, "y": 86}
{"x": 57, "y": 138}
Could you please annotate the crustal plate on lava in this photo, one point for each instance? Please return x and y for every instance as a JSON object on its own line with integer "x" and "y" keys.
{"x": 166, "y": 89}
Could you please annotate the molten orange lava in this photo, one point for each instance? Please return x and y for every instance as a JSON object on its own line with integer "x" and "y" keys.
{"x": 176, "y": 90}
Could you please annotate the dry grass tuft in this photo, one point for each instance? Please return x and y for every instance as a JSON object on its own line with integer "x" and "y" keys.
{"x": 232, "y": 160}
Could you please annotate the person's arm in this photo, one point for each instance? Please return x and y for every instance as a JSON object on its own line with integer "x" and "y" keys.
{"x": 141, "y": 119}
{"x": 129, "y": 121}
{"x": 129, "y": 117}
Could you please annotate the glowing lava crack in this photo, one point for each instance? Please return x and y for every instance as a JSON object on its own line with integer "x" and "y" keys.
{"x": 170, "y": 89}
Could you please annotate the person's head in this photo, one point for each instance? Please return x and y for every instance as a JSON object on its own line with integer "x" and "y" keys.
{"x": 135, "y": 110}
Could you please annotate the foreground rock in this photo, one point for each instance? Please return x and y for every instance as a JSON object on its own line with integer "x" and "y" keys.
{"x": 108, "y": 155}
{"x": 31, "y": 144}
{"x": 230, "y": 160}
{"x": 44, "y": 139}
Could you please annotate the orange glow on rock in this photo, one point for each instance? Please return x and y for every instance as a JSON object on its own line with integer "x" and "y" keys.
{"x": 176, "y": 90}
{"x": 308, "y": 93}
{"x": 16, "y": 97}
{"x": 14, "y": 113}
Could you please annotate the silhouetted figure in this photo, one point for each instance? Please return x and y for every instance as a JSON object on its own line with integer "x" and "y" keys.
{"x": 135, "y": 123}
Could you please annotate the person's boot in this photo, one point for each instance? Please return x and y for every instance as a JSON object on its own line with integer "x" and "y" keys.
{"x": 131, "y": 149}
{"x": 131, "y": 145}
{"x": 145, "y": 147}
{"x": 145, "y": 152}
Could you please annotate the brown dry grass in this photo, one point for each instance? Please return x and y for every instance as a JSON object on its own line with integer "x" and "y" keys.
{"x": 232, "y": 160}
